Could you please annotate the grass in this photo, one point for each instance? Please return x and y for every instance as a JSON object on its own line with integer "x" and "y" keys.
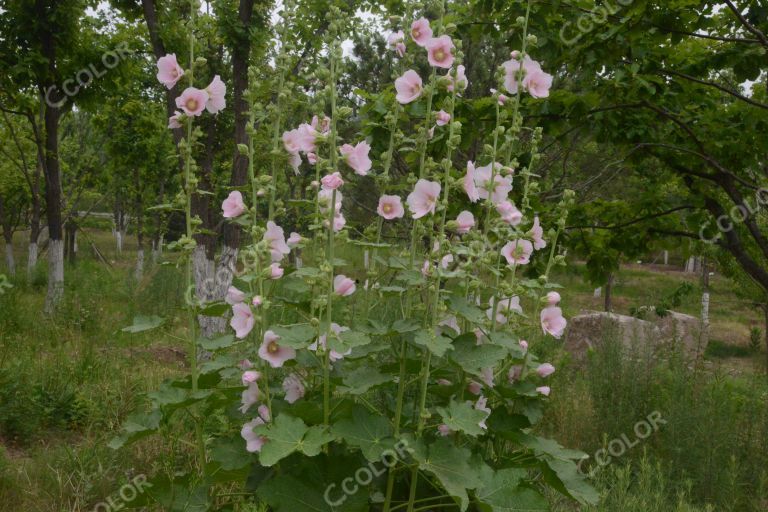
{"x": 67, "y": 383}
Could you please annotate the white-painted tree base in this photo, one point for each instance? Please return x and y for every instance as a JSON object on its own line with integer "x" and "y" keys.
{"x": 31, "y": 260}
{"x": 10, "y": 262}
{"x": 139, "y": 271}
{"x": 55, "y": 275}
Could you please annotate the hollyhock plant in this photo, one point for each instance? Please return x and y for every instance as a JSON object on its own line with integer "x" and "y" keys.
{"x": 553, "y": 299}
{"x": 216, "y": 95}
{"x": 254, "y": 442}
{"x": 343, "y": 286}
{"x": 357, "y": 157}
{"x": 509, "y": 213}
{"x": 459, "y": 80}
{"x": 192, "y": 101}
{"x": 423, "y": 199}
{"x": 517, "y": 252}
{"x": 275, "y": 239}
{"x": 174, "y": 121}
{"x": 396, "y": 42}
{"x": 250, "y": 396}
{"x": 408, "y": 87}
{"x": 512, "y": 72}
{"x": 440, "y": 52}
{"x": 332, "y": 181}
{"x": 482, "y": 405}
{"x": 553, "y": 322}
{"x": 505, "y": 305}
{"x": 322, "y": 342}
{"x": 273, "y": 353}
{"x": 233, "y": 206}
{"x": 257, "y": 301}
{"x": 325, "y": 196}
{"x": 465, "y": 222}
{"x": 168, "y": 70}
{"x": 421, "y": 32}
{"x": 544, "y": 390}
{"x": 501, "y": 185}
{"x": 538, "y": 83}
{"x": 545, "y": 370}
{"x": 390, "y": 207}
{"x": 276, "y": 271}
{"x": 294, "y": 240}
{"x": 442, "y": 118}
{"x": 242, "y": 320}
{"x": 470, "y": 187}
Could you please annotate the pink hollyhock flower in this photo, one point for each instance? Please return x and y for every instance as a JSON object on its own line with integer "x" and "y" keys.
{"x": 501, "y": 98}
{"x": 423, "y": 199}
{"x": 291, "y": 141}
{"x": 325, "y": 196}
{"x": 444, "y": 382}
{"x": 294, "y": 240}
{"x": 234, "y": 296}
{"x": 544, "y": 390}
{"x": 431, "y": 133}
{"x": 442, "y": 118}
{"x": 444, "y": 430}
{"x": 502, "y": 185}
{"x": 322, "y": 126}
{"x": 216, "y": 95}
{"x": 475, "y": 388}
{"x": 469, "y": 183}
{"x": 408, "y": 87}
{"x": 460, "y": 79}
{"x": 514, "y": 373}
{"x": 487, "y": 376}
{"x": 242, "y": 320}
{"x": 518, "y": 252}
{"x": 276, "y": 271}
{"x": 446, "y": 261}
{"x": 271, "y": 351}
{"x": 264, "y": 413}
{"x": 168, "y": 70}
{"x": 332, "y": 181}
{"x": 390, "y": 207}
{"x": 249, "y": 397}
{"x": 357, "y": 157}
{"x": 545, "y": 370}
{"x": 451, "y": 322}
{"x": 512, "y": 72}
{"x": 293, "y": 387}
{"x": 233, "y": 206}
{"x": 175, "y": 120}
{"x": 509, "y": 213}
{"x": 538, "y": 83}
{"x": 312, "y": 158}
{"x": 338, "y": 222}
{"x": 250, "y": 377}
{"x": 192, "y": 101}
{"x": 425, "y": 268}
{"x": 537, "y": 233}
{"x": 245, "y": 364}
{"x": 553, "y": 299}
{"x": 523, "y": 345}
{"x": 306, "y": 138}
{"x": 421, "y": 32}
{"x": 257, "y": 301}
{"x": 253, "y": 441}
{"x": 440, "y": 52}
{"x": 322, "y": 341}
{"x": 294, "y": 159}
{"x": 465, "y": 221}
{"x": 552, "y": 321}
{"x": 275, "y": 238}
{"x": 396, "y": 42}
{"x": 482, "y": 405}
{"x": 343, "y": 286}
{"x": 505, "y": 306}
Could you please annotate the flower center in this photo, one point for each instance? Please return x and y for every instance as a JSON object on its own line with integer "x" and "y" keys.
{"x": 387, "y": 208}
{"x": 174, "y": 73}
{"x": 273, "y": 348}
{"x": 439, "y": 55}
{"x": 192, "y": 104}
{"x": 416, "y": 33}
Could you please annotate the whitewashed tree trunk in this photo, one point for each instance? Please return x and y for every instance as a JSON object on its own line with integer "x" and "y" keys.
{"x": 666, "y": 257}
{"x": 704, "y": 321}
{"x": 139, "y": 272}
{"x": 690, "y": 265}
{"x": 55, "y": 275}
{"x": 221, "y": 281}
{"x": 598, "y": 292}
{"x": 10, "y": 262}
{"x": 119, "y": 241}
{"x": 31, "y": 260}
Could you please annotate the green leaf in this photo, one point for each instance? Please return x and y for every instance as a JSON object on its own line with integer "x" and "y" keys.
{"x": 405, "y": 325}
{"x": 135, "y": 427}
{"x": 286, "y": 435}
{"x": 215, "y": 309}
{"x": 435, "y": 343}
{"x": 367, "y": 431}
{"x": 229, "y": 452}
{"x": 360, "y": 380}
{"x": 144, "y": 323}
{"x": 295, "y": 336}
{"x": 473, "y": 357}
{"x": 219, "y": 343}
{"x": 451, "y": 465}
{"x": 347, "y": 340}
{"x": 564, "y": 476}
{"x": 460, "y": 306}
{"x": 462, "y": 416}
{"x": 500, "y": 491}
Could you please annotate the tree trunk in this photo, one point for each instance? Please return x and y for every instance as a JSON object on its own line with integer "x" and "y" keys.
{"x": 6, "y": 224}
{"x": 53, "y": 208}
{"x": 139, "y": 212}
{"x": 704, "y": 336}
{"x": 609, "y": 293}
